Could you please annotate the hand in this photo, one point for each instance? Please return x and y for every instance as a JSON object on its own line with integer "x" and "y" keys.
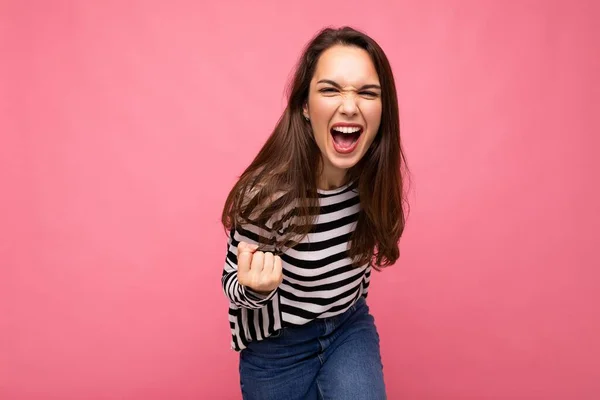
{"x": 259, "y": 271}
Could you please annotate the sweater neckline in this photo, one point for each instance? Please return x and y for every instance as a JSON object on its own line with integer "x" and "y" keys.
{"x": 336, "y": 190}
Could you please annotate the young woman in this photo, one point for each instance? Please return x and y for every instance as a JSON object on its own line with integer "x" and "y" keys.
{"x": 316, "y": 210}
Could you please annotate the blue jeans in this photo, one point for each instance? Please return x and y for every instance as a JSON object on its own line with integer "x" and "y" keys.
{"x": 332, "y": 358}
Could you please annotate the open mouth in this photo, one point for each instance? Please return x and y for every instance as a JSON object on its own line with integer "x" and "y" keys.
{"x": 345, "y": 138}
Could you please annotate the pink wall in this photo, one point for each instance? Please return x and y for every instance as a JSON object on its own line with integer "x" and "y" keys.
{"x": 123, "y": 127}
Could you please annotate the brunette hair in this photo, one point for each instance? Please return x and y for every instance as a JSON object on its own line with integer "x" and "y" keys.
{"x": 281, "y": 182}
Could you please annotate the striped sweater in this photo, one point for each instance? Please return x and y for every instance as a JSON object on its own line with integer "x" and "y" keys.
{"x": 318, "y": 278}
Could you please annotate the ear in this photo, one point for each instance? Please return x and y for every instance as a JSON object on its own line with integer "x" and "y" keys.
{"x": 305, "y": 110}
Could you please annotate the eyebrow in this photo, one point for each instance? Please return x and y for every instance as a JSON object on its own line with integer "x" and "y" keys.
{"x": 337, "y": 85}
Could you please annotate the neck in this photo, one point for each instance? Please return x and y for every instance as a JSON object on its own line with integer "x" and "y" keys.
{"x": 332, "y": 179}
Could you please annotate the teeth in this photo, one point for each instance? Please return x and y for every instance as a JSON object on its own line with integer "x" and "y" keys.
{"x": 346, "y": 129}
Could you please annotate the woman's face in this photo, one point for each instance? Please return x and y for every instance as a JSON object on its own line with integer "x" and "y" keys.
{"x": 344, "y": 108}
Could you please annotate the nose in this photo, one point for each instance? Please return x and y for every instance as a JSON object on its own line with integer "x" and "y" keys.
{"x": 348, "y": 106}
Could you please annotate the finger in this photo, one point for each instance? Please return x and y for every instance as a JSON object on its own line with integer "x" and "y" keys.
{"x": 268, "y": 266}
{"x": 258, "y": 260}
{"x": 247, "y": 247}
{"x": 278, "y": 268}
{"x": 244, "y": 258}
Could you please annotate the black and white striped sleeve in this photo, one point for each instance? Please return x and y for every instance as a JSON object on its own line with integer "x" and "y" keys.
{"x": 238, "y": 294}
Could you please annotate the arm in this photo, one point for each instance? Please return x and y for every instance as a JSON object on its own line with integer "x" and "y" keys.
{"x": 366, "y": 281}
{"x": 238, "y": 294}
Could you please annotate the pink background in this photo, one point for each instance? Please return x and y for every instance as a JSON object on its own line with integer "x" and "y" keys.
{"x": 124, "y": 124}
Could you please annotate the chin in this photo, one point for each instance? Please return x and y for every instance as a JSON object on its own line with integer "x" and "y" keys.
{"x": 344, "y": 163}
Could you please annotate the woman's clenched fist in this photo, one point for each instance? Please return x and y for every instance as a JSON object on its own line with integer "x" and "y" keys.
{"x": 259, "y": 271}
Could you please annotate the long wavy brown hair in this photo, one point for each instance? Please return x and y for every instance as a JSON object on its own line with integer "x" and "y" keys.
{"x": 280, "y": 185}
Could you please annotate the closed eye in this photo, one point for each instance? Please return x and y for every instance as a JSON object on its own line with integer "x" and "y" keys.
{"x": 369, "y": 94}
{"x": 365, "y": 93}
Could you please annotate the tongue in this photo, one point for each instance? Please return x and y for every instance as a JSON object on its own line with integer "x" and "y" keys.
{"x": 344, "y": 140}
